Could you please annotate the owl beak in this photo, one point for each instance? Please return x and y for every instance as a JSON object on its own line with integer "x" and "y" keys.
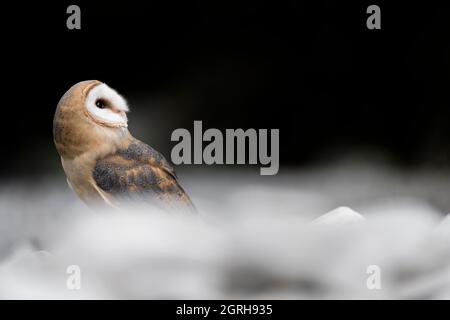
{"x": 114, "y": 109}
{"x": 119, "y": 112}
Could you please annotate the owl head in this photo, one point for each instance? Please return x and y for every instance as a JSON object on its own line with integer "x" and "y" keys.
{"x": 89, "y": 115}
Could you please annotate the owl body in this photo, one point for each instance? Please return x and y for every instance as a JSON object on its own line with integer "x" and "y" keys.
{"x": 103, "y": 162}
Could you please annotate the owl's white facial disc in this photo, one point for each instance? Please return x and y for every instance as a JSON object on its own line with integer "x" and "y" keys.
{"x": 107, "y": 106}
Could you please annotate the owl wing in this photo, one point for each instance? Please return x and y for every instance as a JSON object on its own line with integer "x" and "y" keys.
{"x": 140, "y": 173}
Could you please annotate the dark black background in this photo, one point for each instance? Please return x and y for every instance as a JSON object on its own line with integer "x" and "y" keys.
{"x": 311, "y": 68}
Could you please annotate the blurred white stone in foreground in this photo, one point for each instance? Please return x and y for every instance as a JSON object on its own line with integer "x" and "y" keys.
{"x": 254, "y": 239}
{"x": 341, "y": 215}
{"x": 446, "y": 221}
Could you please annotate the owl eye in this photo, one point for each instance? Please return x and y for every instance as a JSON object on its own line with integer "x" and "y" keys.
{"x": 101, "y": 104}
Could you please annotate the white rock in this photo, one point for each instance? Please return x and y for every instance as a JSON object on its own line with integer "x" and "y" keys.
{"x": 446, "y": 221}
{"x": 340, "y": 215}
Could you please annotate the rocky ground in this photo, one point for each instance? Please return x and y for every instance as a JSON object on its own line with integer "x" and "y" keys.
{"x": 255, "y": 237}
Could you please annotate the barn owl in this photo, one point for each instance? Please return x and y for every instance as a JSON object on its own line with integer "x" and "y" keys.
{"x": 103, "y": 162}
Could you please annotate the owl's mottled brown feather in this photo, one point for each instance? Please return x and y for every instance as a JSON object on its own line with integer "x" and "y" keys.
{"x": 103, "y": 162}
{"x": 138, "y": 172}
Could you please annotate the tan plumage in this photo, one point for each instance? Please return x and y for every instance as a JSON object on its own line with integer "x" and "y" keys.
{"x": 103, "y": 162}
